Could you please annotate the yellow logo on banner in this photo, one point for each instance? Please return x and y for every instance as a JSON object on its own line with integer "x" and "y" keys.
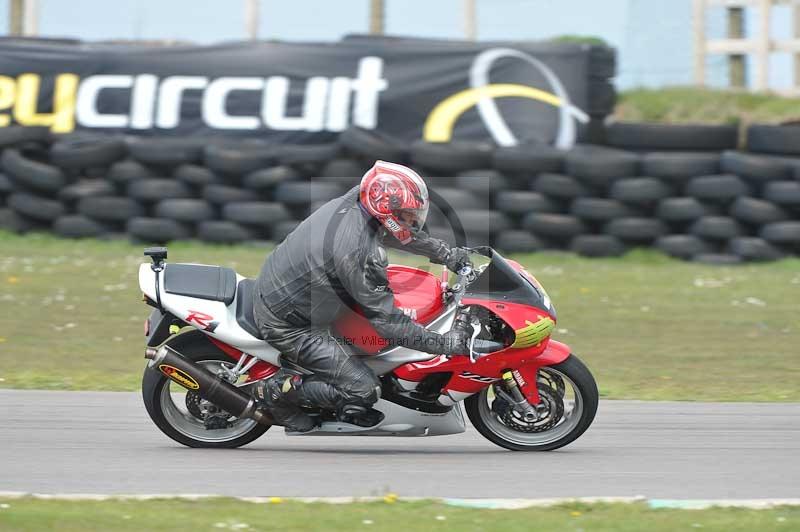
{"x": 22, "y": 94}
{"x": 440, "y": 123}
{"x": 481, "y": 94}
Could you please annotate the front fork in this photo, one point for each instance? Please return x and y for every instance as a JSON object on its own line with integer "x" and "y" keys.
{"x": 525, "y": 378}
{"x": 520, "y": 401}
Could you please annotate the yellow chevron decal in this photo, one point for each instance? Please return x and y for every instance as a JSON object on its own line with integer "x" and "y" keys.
{"x": 534, "y": 333}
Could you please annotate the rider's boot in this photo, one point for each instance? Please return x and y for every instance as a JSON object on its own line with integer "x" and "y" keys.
{"x": 359, "y": 415}
{"x": 279, "y": 395}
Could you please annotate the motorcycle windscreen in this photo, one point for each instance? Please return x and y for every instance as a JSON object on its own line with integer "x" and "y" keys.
{"x": 503, "y": 280}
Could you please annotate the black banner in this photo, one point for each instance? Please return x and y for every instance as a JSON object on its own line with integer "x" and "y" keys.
{"x": 304, "y": 92}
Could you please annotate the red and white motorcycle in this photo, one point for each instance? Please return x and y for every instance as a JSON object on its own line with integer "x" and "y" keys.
{"x": 521, "y": 389}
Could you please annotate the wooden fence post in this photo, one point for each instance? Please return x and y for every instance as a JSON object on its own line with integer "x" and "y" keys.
{"x": 737, "y": 64}
{"x": 699, "y": 30}
{"x": 376, "y": 17}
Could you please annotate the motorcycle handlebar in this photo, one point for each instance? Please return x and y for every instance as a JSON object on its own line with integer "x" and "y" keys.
{"x": 466, "y": 275}
{"x": 486, "y": 346}
{"x": 466, "y": 270}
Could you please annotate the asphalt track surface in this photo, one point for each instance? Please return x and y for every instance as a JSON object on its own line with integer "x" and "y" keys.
{"x": 98, "y": 442}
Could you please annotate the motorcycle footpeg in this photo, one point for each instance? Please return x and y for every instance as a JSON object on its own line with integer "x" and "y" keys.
{"x": 266, "y": 418}
{"x": 364, "y": 417}
{"x": 291, "y": 431}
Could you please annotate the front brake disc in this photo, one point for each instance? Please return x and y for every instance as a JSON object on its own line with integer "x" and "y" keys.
{"x": 553, "y": 380}
{"x": 555, "y": 411}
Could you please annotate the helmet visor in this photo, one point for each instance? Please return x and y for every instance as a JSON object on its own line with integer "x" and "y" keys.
{"x": 414, "y": 219}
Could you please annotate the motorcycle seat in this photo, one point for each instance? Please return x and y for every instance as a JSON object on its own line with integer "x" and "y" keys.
{"x": 214, "y": 283}
{"x": 244, "y": 307}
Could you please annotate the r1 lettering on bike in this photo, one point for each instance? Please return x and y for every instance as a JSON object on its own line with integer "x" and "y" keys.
{"x": 203, "y": 321}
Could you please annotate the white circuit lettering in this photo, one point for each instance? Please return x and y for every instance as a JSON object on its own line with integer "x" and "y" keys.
{"x": 329, "y": 104}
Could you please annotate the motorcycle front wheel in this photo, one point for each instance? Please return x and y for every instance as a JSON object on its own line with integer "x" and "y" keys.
{"x": 569, "y": 398}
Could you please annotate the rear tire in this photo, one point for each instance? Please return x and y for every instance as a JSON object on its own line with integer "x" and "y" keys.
{"x": 583, "y": 382}
{"x": 153, "y": 383}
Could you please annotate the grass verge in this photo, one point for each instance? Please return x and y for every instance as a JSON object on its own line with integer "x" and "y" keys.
{"x": 229, "y": 514}
{"x": 705, "y": 106}
{"x": 649, "y": 327}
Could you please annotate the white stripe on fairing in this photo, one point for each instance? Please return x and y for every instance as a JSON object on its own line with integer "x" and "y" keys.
{"x": 407, "y": 385}
{"x": 498, "y": 504}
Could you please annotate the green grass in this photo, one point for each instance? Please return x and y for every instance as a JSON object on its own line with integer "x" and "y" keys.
{"x": 228, "y": 514}
{"x": 705, "y": 106}
{"x": 580, "y": 39}
{"x": 649, "y": 327}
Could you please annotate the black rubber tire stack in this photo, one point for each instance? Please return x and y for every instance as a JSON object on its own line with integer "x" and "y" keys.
{"x": 31, "y": 181}
{"x": 686, "y": 190}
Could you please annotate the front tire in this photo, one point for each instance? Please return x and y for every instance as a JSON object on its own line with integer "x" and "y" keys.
{"x": 582, "y": 402}
{"x": 167, "y": 406}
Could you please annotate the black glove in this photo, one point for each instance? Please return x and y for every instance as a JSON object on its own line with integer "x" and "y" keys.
{"x": 457, "y": 258}
{"x": 455, "y": 342}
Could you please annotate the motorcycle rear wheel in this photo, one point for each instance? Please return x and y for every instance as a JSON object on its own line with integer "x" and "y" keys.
{"x": 164, "y": 406}
{"x": 582, "y": 398}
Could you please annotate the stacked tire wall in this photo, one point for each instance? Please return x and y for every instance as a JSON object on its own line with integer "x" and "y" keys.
{"x": 685, "y": 190}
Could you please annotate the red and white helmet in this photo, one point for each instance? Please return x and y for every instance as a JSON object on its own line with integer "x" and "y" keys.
{"x": 397, "y": 197}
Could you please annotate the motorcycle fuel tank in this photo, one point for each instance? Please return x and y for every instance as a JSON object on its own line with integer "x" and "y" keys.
{"x": 416, "y": 292}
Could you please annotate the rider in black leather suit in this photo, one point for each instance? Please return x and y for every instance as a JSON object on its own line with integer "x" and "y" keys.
{"x": 333, "y": 261}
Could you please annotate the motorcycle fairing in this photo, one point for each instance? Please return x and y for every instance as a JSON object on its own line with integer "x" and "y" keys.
{"x": 398, "y": 421}
{"x": 505, "y": 289}
{"x": 471, "y": 377}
